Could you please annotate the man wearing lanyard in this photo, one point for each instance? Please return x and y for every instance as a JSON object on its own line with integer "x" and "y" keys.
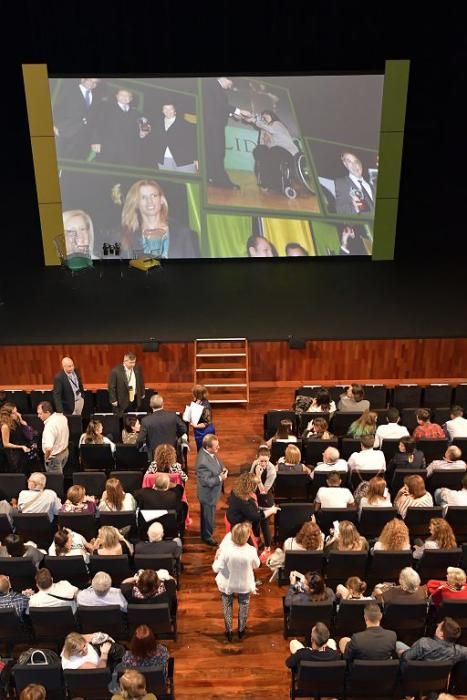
{"x": 68, "y": 389}
{"x": 210, "y": 475}
{"x": 126, "y": 385}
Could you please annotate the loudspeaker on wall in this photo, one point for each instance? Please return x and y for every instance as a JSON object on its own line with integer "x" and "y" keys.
{"x": 151, "y": 345}
{"x": 296, "y": 343}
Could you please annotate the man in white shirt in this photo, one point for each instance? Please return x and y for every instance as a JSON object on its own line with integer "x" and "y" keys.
{"x": 52, "y": 595}
{"x": 452, "y": 460}
{"x": 449, "y": 497}
{"x": 392, "y": 430}
{"x": 38, "y": 499}
{"x": 55, "y": 438}
{"x": 332, "y": 495}
{"x": 101, "y": 592}
{"x": 457, "y": 426}
{"x": 368, "y": 459}
{"x": 331, "y": 462}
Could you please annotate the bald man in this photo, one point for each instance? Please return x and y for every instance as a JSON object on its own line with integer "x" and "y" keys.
{"x": 68, "y": 389}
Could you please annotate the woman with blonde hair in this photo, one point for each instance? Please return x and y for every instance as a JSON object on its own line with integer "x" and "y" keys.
{"x": 78, "y": 502}
{"x": 110, "y": 542}
{"x": 165, "y": 460}
{"x": 365, "y": 425}
{"x": 413, "y": 495}
{"x": 79, "y": 652}
{"x": 33, "y": 691}
{"x": 309, "y": 538}
{"x": 377, "y": 495}
{"x": 114, "y": 497}
{"x": 441, "y": 537}
{"x": 291, "y": 462}
{"x": 133, "y": 687}
{"x": 79, "y": 232}
{"x": 146, "y": 226}
{"x": 234, "y": 565}
{"x": 346, "y": 539}
{"x": 394, "y": 537}
{"x": 453, "y": 588}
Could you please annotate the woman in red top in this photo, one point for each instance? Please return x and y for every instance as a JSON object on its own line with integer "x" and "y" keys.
{"x": 454, "y": 588}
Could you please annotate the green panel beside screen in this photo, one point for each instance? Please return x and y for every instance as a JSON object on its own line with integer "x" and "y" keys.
{"x": 390, "y": 160}
{"x": 396, "y": 81}
{"x": 385, "y": 229}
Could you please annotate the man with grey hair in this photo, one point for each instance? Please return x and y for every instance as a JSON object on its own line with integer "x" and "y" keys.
{"x": 160, "y": 427}
{"x": 126, "y": 385}
{"x": 101, "y": 592}
{"x": 157, "y": 545}
{"x": 409, "y": 589}
{"x": 451, "y": 460}
{"x": 332, "y": 462}
{"x": 38, "y": 499}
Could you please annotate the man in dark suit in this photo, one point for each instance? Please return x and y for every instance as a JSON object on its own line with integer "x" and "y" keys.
{"x": 174, "y": 142}
{"x": 74, "y": 118}
{"x": 68, "y": 389}
{"x": 216, "y": 113}
{"x": 118, "y": 134}
{"x": 210, "y": 475}
{"x": 354, "y": 195}
{"x": 126, "y": 385}
{"x": 160, "y": 427}
{"x": 375, "y": 643}
{"x": 163, "y": 496}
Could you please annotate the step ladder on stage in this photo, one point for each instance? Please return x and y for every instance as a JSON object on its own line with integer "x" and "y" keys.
{"x": 221, "y": 364}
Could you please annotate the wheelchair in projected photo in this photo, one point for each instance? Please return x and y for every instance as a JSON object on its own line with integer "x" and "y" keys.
{"x": 293, "y": 171}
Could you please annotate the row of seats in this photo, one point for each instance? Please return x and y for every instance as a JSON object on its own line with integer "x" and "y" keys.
{"x": 292, "y": 515}
{"x": 91, "y": 684}
{"x": 341, "y": 421}
{"x": 94, "y": 401}
{"x": 401, "y": 396}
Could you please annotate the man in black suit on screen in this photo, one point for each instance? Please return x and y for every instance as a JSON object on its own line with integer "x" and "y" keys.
{"x": 74, "y": 118}
{"x": 354, "y": 194}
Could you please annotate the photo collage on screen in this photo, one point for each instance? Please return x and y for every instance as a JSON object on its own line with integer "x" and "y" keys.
{"x": 183, "y": 168}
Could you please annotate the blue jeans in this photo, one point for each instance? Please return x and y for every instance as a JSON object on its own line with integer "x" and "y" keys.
{"x": 208, "y": 519}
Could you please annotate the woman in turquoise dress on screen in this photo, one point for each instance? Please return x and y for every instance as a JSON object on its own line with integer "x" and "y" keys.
{"x": 147, "y": 228}
{"x": 205, "y": 425}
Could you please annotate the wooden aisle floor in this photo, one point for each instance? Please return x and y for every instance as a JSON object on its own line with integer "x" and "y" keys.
{"x": 206, "y": 665}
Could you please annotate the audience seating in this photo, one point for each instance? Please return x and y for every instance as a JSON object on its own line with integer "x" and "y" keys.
{"x": 377, "y": 395}
{"x": 96, "y": 457}
{"x": 399, "y": 476}
{"x": 326, "y": 516}
{"x": 38, "y": 395}
{"x": 290, "y": 519}
{"x": 72, "y": 569}
{"x": 84, "y": 523}
{"x": 407, "y": 619}
{"x": 119, "y": 519}
{"x": 35, "y": 527}
{"x": 272, "y": 420}
{"x": 116, "y": 565}
{"x": 458, "y": 677}
{"x": 299, "y": 619}
{"x": 341, "y": 422}
{"x": 130, "y": 480}
{"x": 450, "y": 478}
{"x": 20, "y": 571}
{"x": 373, "y": 520}
{"x": 441, "y": 415}
{"x": 389, "y": 448}
{"x": 457, "y": 609}
{"x": 51, "y": 625}
{"x": 348, "y": 447}
{"x": 50, "y": 676}
{"x": 55, "y": 482}
{"x": 278, "y": 449}
{"x": 349, "y": 618}
{"x": 406, "y": 396}
{"x": 21, "y": 399}
{"x": 303, "y": 420}
{"x": 422, "y": 677}
{"x": 373, "y": 679}
{"x": 312, "y": 450}
{"x": 456, "y": 516}
{"x": 356, "y": 476}
{"x": 161, "y": 561}
{"x": 307, "y": 390}
{"x": 12, "y": 484}
{"x": 105, "y": 618}
{"x": 102, "y": 402}
{"x": 386, "y": 566}
{"x": 90, "y": 683}
{"x": 130, "y": 457}
{"x": 300, "y": 561}
{"x": 156, "y": 683}
{"x": 418, "y": 521}
{"x": 158, "y": 617}
{"x": 5, "y": 526}
{"x": 292, "y": 487}
{"x": 318, "y": 679}
{"x": 341, "y": 565}
{"x": 432, "y": 448}
{"x": 93, "y": 482}
{"x": 434, "y": 563}
{"x": 435, "y": 395}
{"x": 408, "y": 419}
{"x": 461, "y": 443}
{"x": 12, "y": 631}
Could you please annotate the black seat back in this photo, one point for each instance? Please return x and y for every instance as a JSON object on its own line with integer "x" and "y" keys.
{"x": 432, "y": 448}
{"x": 373, "y": 679}
{"x": 290, "y": 487}
{"x": 290, "y": 519}
{"x": 93, "y": 482}
{"x": 278, "y": 449}
{"x": 373, "y": 520}
{"x": 326, "y": 516}
{"x": 418, "y": 521}
{"x": 341, "y": 565}
{"x": 434, "y": 563}
{"x": 11, "y": 484}
{"x": 318, "y": 679}
{"x": 96, "y": 456}
{"x": 407, "y": 619}
{"x": 105, "y": 618}
{"x": 35, "y": 527}
{"x": 130, "y": 480}
{"x": 342, "y": 420}
{"x": 130, "y": 457}
{"x": 72, "y": 569}
{"x": 272, "y": 420}
{"x": 84, "y": 523}
{"x": 117, "y": 566}
{"x": 20, "y": 571}
{"x": 386, "y": 566}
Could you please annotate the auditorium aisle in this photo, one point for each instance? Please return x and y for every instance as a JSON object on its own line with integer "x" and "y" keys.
{"x": 206, "y": 665}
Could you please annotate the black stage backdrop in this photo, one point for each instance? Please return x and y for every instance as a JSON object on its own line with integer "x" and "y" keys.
{"x": 421, "y": 294}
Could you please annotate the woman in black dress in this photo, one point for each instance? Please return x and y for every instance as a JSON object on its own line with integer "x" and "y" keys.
{"x": 243, "y": 507}
{"x": 15, "y": 442}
